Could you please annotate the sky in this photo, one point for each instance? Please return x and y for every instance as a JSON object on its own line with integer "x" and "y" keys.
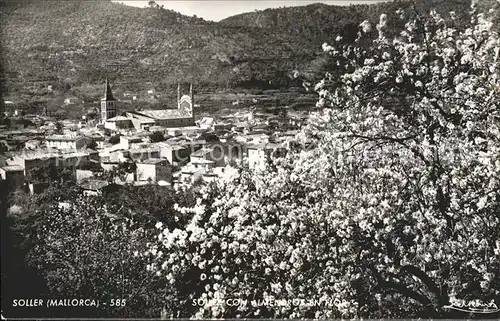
{"x": 216, "y": 10}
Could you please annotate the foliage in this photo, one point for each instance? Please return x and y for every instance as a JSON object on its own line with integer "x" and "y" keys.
{"x": 84, "y": 246}
{"x": 49, "y": 174}
{"x": 115, "y": 139}
{"x": 395, "y": 214}
{"x": 59, "y": 127}
{"x": 157, "y": 137}
{"x": 85, "y": 251}
{"x": 92, "y": 144}
{"x": 121, "y": 171}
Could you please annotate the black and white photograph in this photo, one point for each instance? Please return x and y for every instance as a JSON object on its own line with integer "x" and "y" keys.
{"x": 250, "y": 159}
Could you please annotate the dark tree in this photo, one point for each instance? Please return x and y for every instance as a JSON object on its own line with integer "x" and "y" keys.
{"x": 157, "y": 137}
{"x": 114, "y": 139}
{"x": 59, "y": 127}
{"x": 91, "y": 144}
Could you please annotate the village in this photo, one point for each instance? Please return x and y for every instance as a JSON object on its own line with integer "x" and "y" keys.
{"x": 166, "y": 146}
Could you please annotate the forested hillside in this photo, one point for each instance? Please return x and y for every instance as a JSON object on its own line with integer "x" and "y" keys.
{"x": 76, "y": 44}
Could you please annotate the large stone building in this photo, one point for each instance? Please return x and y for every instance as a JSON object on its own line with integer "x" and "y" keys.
{"x": 182, "y": 116}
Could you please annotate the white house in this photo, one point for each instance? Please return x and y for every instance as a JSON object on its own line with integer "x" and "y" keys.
{"x": 119, "y": 123}
{"x": 154, "y": 169}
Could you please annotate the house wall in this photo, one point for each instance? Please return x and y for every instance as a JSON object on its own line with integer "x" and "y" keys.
{"x": 257, "y": 158}
{"x": 160, "y": 171}
{"x": 76, "y": 161}
{"x": 216, "y": 155}
{"x": 127, "y": 143}
{"x": 78, "y": 143}
{"x": 111, "y": 125}
{"x": 14, "y": 179}
{"x": 123, "y": 143}
{"x": 145, "y": 172}
{"x": 108, "y": 166}
{"x": 175, "y": 154}
{"x": 61, "y": 144}
{"x": 29, "y": 164}
{"x": 178, "y": 122}
{"x": 90, "y": 193}
{"x": 146, "y": 154}
{"x": 83, "y": 174}
{"x": 119, "y": 125}
{"x": 164, "y": 172}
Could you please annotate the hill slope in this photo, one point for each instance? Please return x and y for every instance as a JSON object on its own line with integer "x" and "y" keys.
{"x": 76, "y": 44}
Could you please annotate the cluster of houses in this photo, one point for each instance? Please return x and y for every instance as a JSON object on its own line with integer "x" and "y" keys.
{"x": 190, "y": 150}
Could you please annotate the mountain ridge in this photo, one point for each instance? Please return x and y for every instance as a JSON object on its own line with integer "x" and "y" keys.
{"x": 79, "y": 43}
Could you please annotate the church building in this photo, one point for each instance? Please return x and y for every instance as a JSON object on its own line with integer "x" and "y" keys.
{"x": 182, "y": 116}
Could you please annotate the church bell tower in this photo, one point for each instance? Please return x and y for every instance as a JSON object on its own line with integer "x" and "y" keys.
{"x": 185, "y": 102}
{"x": 108, "y": 103}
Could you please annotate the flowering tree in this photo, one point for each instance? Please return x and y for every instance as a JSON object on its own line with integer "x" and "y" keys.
{"x": 395, "y": 214}
{"x": 427, "y": 103}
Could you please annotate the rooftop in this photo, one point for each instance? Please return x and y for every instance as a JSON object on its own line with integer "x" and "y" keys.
{"x": 132, "y": 139}
{"x": 23, "y": 131}
{"x": 202, "y": 152}
{"x": 143, "y": 150}
{"x": 169, "y": 145}
{"x": 164, "y": 113}
{"x": 142, "y": 119}
{"x": 94, "y": 185}
{"x": 13, "y": 168}
{"x": 118, "y": 118}
{"x": 153, "y": 161}
{"x": 202, "y": 161}
{"x": 51, "y": 153}
{"x": 265, "y": 146}
{"x": 63, "y": 138}
{"x": 108, "y": 95}
{"x": 257, "y": 132}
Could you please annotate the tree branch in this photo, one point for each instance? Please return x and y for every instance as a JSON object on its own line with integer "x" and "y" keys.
{"x": 401, "y": 289}
{"x": 431, "y": 285}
